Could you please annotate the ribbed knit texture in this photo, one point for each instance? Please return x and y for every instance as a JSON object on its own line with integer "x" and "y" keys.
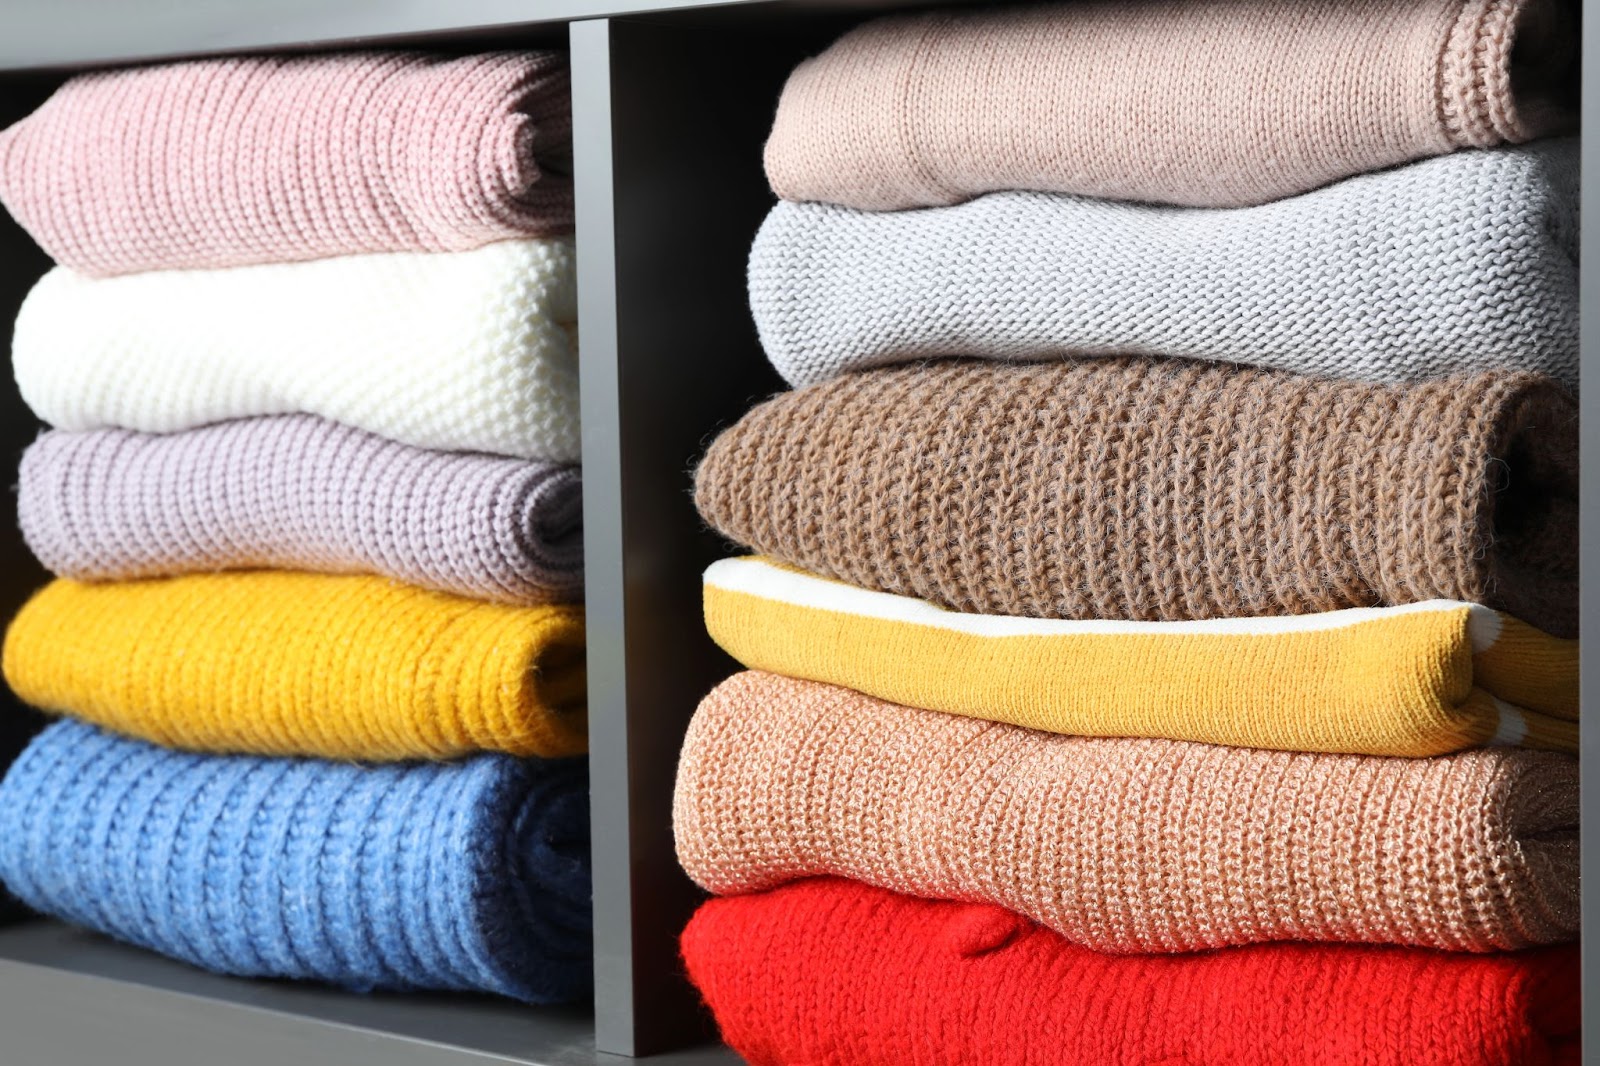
{"x": 1216, "y": 103}
{"x": 834, "y": 973}
{"x": 285, "y": 663}
{"x": 301, "y": 493}
{"x": 1127, "y": 845}
{"x": 1454, "y": 265}
{"x": 1424, "y": 679}
{"x": 1161, "y": 490}
{"x": 471, "y": 351}
{"x": 470, "y": 876}
{"x": 261, "y": 159}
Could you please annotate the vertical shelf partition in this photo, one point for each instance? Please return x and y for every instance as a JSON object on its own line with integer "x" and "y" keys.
{"x": 21, "y": 263}
{"x": 670, "y": 122}
{"x": 1589, "y": 525}
{"x": 672, "y": 102}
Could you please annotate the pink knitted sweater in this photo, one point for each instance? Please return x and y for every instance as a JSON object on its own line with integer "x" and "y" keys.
{"x": 1213, "y": 103}
{"x": 1127, "y": 845}
{"x": 228, "y": 162}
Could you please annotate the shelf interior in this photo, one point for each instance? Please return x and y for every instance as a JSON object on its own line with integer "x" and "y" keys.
{"x": 73, "y": 996}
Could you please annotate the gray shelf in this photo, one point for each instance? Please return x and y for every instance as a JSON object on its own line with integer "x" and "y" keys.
{"x": 72, "y": 997}
{"x": 80, "y": 33}
{"x": 672, "y": 101}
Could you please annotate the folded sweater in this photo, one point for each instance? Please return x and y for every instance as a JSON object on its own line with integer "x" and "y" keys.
{"x": 472, "y": 351}
{"x": 261, "y": 159}
{"x": 470, "y": 876}
{"x": 835, "y": 973}
{"x": 301, "y": 493}
{"x": 284, "y": 663}
{"x": 1162, "y": 490}
{"x": 1215, "y": 103}
{"x": 1455, "y": 265}
{"x": 1127, "y": 845}
{"x": 1423, "y": 679}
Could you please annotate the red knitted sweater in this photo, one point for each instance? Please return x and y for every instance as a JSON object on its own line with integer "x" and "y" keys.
{"x": 829, "y": 972}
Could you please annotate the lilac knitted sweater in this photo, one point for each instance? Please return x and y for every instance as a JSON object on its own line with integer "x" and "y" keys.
{"x": 300, "y": 492}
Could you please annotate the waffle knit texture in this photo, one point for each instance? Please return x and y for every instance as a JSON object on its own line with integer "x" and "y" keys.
{"x": 1423, "y": 679}
{"x": 1161, "y": 490}
{"x": 284, "y": 663}
{"x": 834, "y": 973}
{"x": 1127, "y": 845}
{"x": 471, "y": 351}
{"x": 470, "y": 876}
{"x": 1455, "y": 265}
{"x": 263, "y": 159}
{"x": 300, "y": 493}
{"x": 1217, "y": 103}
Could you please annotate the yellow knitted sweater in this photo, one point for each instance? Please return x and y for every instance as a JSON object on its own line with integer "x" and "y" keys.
{"x": 1421, "y": 679}
{"x": 283, "y": 663}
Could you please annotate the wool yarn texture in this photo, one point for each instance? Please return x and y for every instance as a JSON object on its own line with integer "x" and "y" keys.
{"x": 1223, "y": 103}
{"x": 264, "y": 159}
{"x": 834, "y": 973}
{"x": 1127, "y": 845}
{"x": 299, "y": 492}
{"x": 471, "y": 351}
{"x": 466, "y": 876}
{"x": 1424, "y": 679}
{"x": 274, "y": 662}
{"x": 1161, "y": 490}
{"x": 1456, "y": 265}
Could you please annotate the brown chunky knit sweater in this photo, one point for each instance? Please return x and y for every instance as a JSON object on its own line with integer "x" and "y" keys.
{"x": 1162, "y": 489}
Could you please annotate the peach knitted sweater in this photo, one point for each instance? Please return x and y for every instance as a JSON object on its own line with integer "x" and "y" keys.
{"x": 1161, "y": 490}
{"x": 1213, "y": 103}
{"x": 1127, "y": 845}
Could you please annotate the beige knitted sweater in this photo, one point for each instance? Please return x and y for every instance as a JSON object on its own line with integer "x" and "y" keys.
{"x": 1161, "y": 489}
{"x": 1127, "y": 845}
{"x": 1213, "y": 103}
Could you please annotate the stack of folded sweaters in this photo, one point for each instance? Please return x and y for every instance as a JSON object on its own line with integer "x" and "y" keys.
{"x": 1162, "y": 643}
{"x": 311, "y": 494}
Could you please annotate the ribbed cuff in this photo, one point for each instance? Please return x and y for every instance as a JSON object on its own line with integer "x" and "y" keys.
{"x": 1486, "y": 97}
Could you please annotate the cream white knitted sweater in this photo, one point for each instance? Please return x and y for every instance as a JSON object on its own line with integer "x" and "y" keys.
{"x": 463, "y": 351}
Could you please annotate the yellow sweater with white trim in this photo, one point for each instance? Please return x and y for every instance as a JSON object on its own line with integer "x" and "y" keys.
{"x": 1421, "y": 679}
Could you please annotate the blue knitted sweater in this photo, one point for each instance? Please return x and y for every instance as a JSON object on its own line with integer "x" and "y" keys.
{"x": 471, "y": 875}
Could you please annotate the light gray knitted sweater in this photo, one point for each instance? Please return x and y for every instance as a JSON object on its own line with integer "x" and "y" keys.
{"x": 1453, "y": 265}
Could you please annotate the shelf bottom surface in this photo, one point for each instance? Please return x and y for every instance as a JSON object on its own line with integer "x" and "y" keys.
{"x": 71, "y": 998}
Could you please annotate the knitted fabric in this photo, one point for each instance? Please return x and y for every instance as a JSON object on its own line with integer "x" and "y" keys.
{"x": 300, "y": 493}
{"x": 472, "y": 351}
{"x": 1219, "y": 103}
{"x": 1127, "y": 845}
{"x": 1161, "y": 490}
{"x": 834, "y": 973}
{"x": 1451, "y": 266}
{"x": 262, "y": 159}
{"x": 471, "y": 876}
{"x": 1423, "y": 679}
{"x": 283, "y": 663}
